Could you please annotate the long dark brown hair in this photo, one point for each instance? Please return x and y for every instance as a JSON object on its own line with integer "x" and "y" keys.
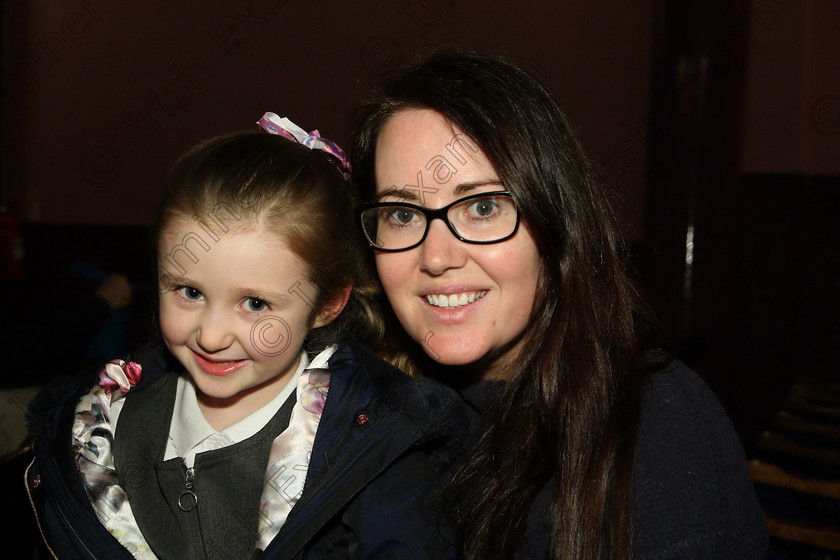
{"x": 571, "y": 400}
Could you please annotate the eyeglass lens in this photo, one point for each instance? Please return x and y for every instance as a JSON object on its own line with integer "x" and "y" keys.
{"x": 481, "y": 219}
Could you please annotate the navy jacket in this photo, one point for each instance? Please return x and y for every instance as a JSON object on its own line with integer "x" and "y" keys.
{"x": 693, "y": 498}
{"x": 385, "y": 446}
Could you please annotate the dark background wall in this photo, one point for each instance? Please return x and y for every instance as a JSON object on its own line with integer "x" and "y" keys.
{"x": 721, "y": 119}
{"x": 100, "y": 97}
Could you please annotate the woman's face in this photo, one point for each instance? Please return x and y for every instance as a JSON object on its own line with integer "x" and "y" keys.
{"x": 423, "y": 160}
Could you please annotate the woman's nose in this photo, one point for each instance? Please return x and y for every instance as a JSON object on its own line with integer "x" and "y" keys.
{"x": 214, "y": 332}
{"x": 441, "y": 250}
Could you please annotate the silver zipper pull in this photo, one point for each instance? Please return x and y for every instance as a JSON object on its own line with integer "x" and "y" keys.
{"x": 188, "y": 500}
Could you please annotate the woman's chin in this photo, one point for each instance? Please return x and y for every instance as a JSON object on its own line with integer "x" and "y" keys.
{"x": 476, "y": 357}
{"x": 449, "y": 358}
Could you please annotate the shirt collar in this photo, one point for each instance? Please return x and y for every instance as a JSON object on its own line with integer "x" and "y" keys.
{"x": 189, "y": 429}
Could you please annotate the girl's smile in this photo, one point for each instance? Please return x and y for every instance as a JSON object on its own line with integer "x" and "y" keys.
{"x": 218, "y": 367}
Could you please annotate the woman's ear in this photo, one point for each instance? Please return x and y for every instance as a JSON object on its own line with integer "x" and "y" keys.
{"x": 332, "y": 308}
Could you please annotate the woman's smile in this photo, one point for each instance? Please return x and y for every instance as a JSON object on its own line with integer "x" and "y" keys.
{"x": 453, "y": 301}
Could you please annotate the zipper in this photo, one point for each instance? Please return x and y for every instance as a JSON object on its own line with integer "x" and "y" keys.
{"x": 188, "y": 501}
{"x": 34, "y": 510}
{"x": 60, "y": 511}
{"x": 75, "y": 534}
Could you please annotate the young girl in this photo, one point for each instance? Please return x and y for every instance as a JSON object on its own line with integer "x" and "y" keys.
{"x": 256, "y": 429}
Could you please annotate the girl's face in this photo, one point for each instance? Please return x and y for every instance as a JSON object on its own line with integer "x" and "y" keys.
{"x": 235, "y": 313}
{"x": 420, "y": 160}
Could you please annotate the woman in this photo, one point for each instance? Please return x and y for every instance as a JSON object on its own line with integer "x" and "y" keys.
{"x": 594, "y": 442}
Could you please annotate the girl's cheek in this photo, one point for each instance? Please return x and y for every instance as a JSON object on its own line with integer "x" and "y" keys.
{"x": 172, "y": 319}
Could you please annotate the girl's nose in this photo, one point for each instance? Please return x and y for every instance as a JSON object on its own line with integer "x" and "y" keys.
{"x": 214, "y": 333}
{"x": 441, "y": 250}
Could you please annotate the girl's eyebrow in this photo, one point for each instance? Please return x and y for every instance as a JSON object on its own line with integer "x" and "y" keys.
{"x": 178, "y": 279}
{"x": 267, "y": 295}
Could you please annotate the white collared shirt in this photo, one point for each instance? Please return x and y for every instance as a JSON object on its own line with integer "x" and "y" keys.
{"x": 190, "y": 433}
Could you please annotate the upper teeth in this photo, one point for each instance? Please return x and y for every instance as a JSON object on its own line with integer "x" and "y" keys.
{"x": 454, "y": 300}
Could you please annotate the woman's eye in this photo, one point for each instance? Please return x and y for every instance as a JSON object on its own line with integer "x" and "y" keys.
{"x": 402, "y": 215}
{"x": 255, "y": 304}
{"x": 190, "y": 293}
{"x": 483, "y": 208}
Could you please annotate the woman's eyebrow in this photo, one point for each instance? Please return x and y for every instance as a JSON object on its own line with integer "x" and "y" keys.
{"x": 410, "y": 194}
{"x": 471, "y": 185}
{"x": 402, "y": 194}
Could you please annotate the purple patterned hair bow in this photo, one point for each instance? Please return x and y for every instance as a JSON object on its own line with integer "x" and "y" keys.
{"x": 282, "y": 126}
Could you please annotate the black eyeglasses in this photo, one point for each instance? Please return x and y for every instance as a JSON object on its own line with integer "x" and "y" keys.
{"x": 482, "y": 219}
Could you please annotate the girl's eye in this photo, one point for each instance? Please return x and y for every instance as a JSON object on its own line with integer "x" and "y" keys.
{"x": 255, "y": 304}
{"x": 190, "y": 294}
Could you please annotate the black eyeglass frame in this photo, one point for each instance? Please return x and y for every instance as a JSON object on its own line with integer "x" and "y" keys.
{"x": 432, "y": 214}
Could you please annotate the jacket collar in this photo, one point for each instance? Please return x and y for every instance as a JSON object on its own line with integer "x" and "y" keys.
{"x": 373, "y": 415}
